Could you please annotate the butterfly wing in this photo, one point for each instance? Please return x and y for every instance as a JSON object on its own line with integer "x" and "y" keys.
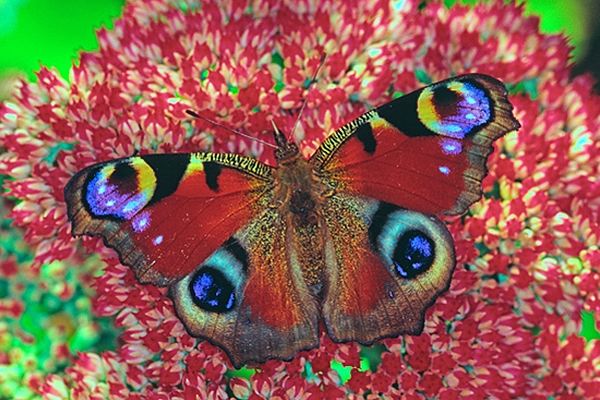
{"x": 424, "y": 152}
{"x": 249, "y": 297}
{"x": 390, "y": 265}
{"x": 165, "y": 213}
{"x": 204, "y": 224}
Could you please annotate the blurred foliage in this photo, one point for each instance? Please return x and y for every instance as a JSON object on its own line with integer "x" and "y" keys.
{"x": 51, "y": 33}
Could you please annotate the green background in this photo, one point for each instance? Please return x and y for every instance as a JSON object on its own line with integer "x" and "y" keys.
{"x": 52, "y": 33}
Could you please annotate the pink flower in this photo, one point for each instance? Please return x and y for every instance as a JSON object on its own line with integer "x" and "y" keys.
{"x": 528, "y": 262}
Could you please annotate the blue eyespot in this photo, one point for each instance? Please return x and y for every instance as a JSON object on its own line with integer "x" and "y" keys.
{"x": 414, "y": 254}
{"x": 121, "y": 189}
{"x": 212, "y": 291}
{"x": 454, "y": 109}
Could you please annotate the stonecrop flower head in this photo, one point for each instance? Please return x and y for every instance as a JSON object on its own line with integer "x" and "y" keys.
{"x": 528, "y": 263}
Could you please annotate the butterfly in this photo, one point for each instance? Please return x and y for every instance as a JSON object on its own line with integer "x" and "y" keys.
{"x": 259, "y": 259}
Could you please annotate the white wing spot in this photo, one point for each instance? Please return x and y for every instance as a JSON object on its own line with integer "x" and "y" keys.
{"x": 445, "y": 170}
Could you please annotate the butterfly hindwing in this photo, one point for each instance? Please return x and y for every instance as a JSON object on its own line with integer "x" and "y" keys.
{"x": 391, "y": 264}
{"x": 250, "y": 297}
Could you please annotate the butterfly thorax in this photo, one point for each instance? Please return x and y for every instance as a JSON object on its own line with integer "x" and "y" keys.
{"x": 298, "y": 195}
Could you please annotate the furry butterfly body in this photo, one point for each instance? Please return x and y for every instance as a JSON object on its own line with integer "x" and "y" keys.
{"x": 257, "y": 257}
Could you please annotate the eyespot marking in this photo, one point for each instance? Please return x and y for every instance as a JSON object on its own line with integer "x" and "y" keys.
{"x": 454, "y": 109}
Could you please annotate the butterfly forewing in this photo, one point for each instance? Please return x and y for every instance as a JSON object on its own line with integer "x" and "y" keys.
{"x": 425, "y": 151}
{"x": 153, "y": 209}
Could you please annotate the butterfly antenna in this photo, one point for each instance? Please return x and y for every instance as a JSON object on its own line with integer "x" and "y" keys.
{"x": 196, "y": 115}
{"x": 279, "y": 137}
{"x": 313, "y": 80}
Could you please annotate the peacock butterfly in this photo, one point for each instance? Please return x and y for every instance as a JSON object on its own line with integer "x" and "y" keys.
{"x": 258, "y": 258}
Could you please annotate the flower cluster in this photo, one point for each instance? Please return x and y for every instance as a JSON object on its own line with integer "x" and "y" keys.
{"x": 528, "y": 263}
{"x": 45, "y": 314}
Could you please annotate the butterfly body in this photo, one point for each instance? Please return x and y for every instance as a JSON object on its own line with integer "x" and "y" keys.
{"x": 257, "y": 258}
